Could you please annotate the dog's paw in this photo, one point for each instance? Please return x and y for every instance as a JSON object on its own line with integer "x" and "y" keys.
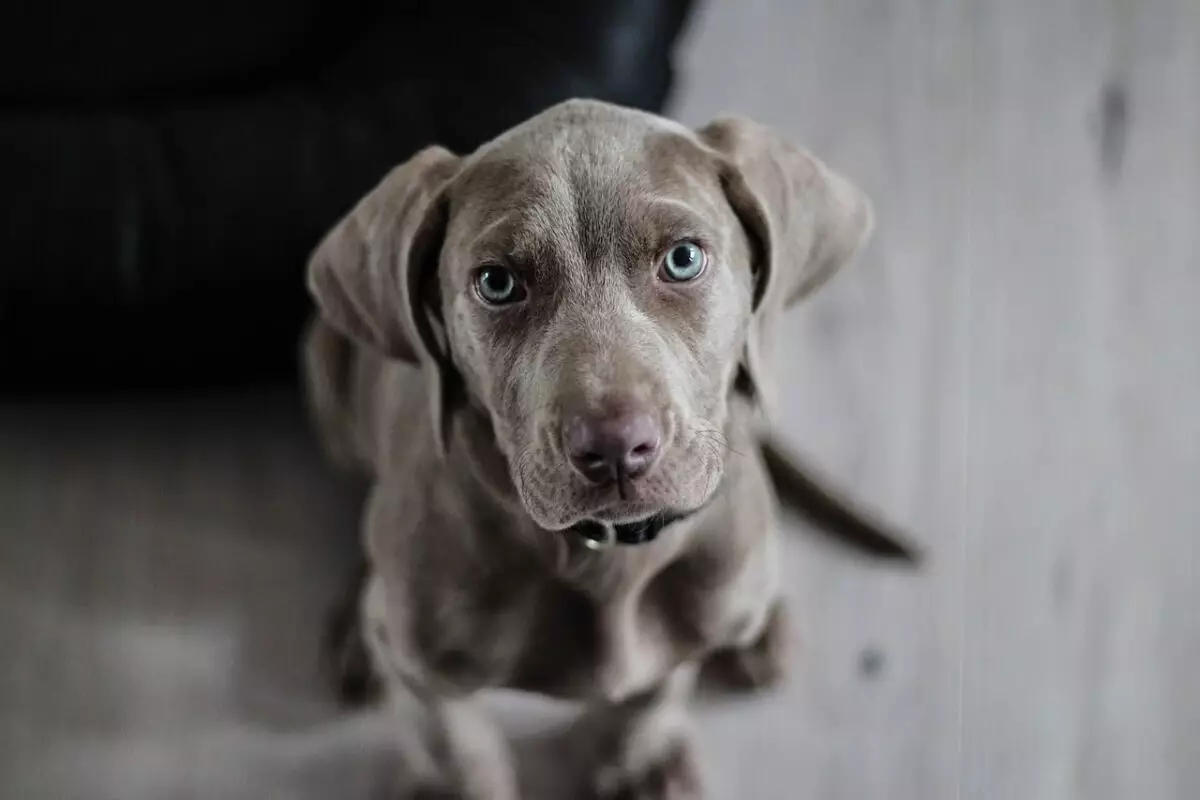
{"x": 673, "y": 775}
{"x": 761, "y": 665}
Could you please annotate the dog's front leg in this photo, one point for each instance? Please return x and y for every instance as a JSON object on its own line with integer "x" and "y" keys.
{"x": 758, "y": 664}
{"x": 643, "y": 746}
{"x": 452, "y": 749}
{"x": 464, "y": 755}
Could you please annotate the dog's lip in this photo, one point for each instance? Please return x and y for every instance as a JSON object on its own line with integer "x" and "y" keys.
{"x": 604, "y": 503}
{"x": 617, "y": 516}
{"x": 612, "y": 511}
{"x": 610, "y": 514}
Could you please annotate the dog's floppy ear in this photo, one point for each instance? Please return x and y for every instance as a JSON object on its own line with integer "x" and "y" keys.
{"x": 374, "y": 276}
{"x": 804, "y": 221}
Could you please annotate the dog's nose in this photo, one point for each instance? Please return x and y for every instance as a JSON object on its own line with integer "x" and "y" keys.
{"x": 613, "y": 447}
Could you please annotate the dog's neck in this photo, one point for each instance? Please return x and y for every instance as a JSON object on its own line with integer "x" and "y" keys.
{"x": 599, "y": 535}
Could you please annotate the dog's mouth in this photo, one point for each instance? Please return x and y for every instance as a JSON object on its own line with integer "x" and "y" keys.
{"x": 598, "y": 535}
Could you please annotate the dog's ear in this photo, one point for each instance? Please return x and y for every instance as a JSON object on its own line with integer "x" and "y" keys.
{"x": 804, "y": 222}
{"x": 374, "y": 276}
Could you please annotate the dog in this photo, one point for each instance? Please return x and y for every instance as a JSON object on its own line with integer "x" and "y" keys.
{"x": 550, "y": 358}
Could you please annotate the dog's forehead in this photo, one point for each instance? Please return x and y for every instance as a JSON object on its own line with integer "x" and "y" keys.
{"x": 582, "y": 133}
{"x": 581, "y": 164}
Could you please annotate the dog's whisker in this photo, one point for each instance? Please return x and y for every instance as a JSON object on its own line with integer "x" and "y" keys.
{"x": 718, "y": 437}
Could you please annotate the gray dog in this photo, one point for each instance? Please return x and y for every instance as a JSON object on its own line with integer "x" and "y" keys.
{"x": 552, "y": 358}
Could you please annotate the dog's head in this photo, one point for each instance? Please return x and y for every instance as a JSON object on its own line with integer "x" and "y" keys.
{"x": 597, "y": 281}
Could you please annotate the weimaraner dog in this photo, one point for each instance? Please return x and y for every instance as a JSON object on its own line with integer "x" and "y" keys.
{"x": 551, "y": 359}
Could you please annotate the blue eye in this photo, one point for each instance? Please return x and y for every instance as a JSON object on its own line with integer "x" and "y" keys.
{"x": 683, "y": 262}
{"x": 498, "y": 286}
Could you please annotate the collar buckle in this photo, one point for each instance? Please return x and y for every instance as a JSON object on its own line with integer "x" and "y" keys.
{"x": 597, "y": 536}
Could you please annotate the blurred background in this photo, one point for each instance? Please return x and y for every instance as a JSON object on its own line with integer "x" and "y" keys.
{"x": 1011, "y": 372}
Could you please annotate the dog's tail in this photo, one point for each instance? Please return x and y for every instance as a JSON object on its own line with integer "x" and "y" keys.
{"x": 327, "y": 364}
{"x": 833, "y": 515}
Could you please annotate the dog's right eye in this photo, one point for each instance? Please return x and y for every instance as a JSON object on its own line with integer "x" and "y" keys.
{"x": 498, "y": 286}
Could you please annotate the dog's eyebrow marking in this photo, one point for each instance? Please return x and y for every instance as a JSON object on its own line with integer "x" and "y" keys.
{"x": 672, "y": 219}
{"x": 496, "y": 234}
{"x": 520, "y": 236}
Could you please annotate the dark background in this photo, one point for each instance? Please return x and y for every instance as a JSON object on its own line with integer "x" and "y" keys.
{"x": 165, "y": 168}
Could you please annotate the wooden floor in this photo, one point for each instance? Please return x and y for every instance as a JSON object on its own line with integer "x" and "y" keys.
{"x": 1012, "y": 371}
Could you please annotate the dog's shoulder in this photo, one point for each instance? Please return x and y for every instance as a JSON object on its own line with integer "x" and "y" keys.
{"x": 371, "y": 413}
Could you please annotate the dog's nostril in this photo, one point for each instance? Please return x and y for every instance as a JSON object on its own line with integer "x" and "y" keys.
{"x": 608, "y": 447}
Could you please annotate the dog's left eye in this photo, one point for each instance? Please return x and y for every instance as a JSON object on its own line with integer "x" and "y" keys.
{"x": 683, "y": 262}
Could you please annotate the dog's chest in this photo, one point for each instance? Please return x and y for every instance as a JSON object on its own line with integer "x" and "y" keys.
{"x": 614, "y": 641}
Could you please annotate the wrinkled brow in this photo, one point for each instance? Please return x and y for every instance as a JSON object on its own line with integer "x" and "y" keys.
{"x": 521, "y": 237}
{"x": 535, "y": 238}
{"x": 529, "y": 237}
{"x": 664, "y": 221}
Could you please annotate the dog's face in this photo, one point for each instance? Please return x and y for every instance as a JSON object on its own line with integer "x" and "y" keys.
{"x": 596, "y": 287}
{"x": 597, "y": 280}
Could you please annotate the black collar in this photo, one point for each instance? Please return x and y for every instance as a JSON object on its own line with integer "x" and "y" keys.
{"x": 598, "y": 535}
